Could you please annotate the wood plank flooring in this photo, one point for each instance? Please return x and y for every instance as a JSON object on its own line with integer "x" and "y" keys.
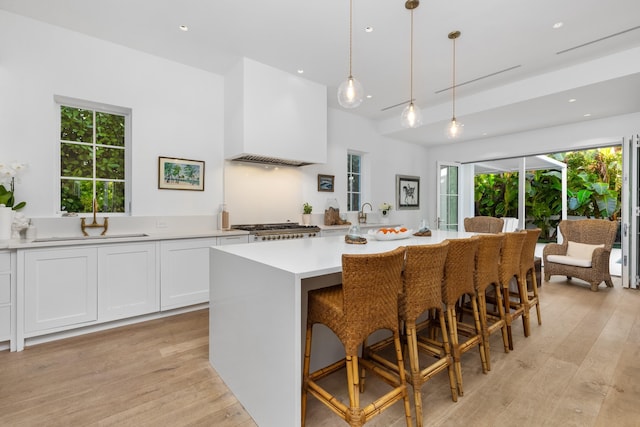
{"x": 580, "y": 368}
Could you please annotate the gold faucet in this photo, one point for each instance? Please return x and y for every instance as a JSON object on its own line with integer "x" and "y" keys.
{"x": 362, "y": 217}
{"x": 94, "y": 224}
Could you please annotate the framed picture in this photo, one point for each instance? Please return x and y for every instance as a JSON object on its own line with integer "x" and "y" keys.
{"x": 180, "y": 174}
{"x": 408, "y": 192}
{"x": 325, "y": 182}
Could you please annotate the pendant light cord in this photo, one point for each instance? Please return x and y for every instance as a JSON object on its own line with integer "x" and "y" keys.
{"x": 350, "y": 35}
{"x": 454, "y": 79}
{"x": 411, "y": 62}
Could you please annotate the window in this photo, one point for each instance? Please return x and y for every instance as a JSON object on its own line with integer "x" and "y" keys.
{"x": 93, "y": 158}
{"x": 354, "y": 180}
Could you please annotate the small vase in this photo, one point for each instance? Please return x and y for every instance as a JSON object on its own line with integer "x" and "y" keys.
{"x": 306, "y": 219}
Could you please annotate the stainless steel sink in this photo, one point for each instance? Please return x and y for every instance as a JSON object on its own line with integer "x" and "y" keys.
{"x": 108, "y": 236}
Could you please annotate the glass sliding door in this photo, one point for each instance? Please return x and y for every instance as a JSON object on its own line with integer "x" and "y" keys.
{"x": 631, "y": 213}
{"x": 448, "y": 197}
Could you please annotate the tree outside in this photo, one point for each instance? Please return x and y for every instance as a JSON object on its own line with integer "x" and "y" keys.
{"x": 594, "y": 184}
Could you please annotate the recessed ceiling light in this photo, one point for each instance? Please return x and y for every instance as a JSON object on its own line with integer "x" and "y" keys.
{"x": 368, "y": 29}
{"x": 558, "y": 25}
{"x": 369, "y": 96}
{"x": 587, "y": 115}
{"x": 572, "y": 100}
{"x": 300, "y": 71}
{"x": 184, "y": 28}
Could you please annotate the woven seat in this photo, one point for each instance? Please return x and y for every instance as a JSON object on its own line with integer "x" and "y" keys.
{"x": 587, "y": 232}
{"x": 509, "y": 269}
{"x": 366, "y": 301}
{"x": 527, "y": 266}
{"x": 483, "y": 224}
{"x": 487, "y": 278}
{"x": 460, "y": 281}
{"x": 422, "y": 293}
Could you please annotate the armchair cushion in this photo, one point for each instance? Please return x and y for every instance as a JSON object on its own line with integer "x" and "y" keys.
{"x": 581, "y": 250}
{"x": 569, "y": 260}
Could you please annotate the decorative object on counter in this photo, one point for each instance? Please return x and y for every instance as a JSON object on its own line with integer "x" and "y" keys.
{"x": 385, "y": 209}
{"x": 332, "y": 213}
{"x": 223, "y": 218}
{"x": 353, "y": 236}
{"x": 19, "y": 225}
{"x": 180, "y": 174}
{"x": 408, "y": 192}
{"x": 306, "y": 213}
{"x": 6, "y": 221}
{"x": 94, "y": 224}
{"x": 8, "y": 175}
{"x": 325, "y": 183}
{"x": 395, "y": 233}
{"x": 423, "y": 229}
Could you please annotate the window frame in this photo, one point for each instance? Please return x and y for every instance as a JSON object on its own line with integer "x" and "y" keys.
{"x": 360, "y": 181}
{"x": 103, "y": 108}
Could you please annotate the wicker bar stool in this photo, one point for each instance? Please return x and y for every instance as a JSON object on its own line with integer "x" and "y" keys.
{"x": 527, "y": 266}
{"x": 510, "y": 268}
{"x": 487, "y": 276}
{"x": 422, "y": 293}
{"x": 483, "y": 224}
{"x": 366, "y": 301}
{"x": 459, "y": 282}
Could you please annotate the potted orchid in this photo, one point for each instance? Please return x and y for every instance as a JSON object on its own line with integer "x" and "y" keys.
{"x": 385, "y": 208}
{"x": 7, "y": 178}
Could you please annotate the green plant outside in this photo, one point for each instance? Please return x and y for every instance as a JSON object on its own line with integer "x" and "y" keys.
{"x": 80, "y": 154}
{"x": 594, "y": 182}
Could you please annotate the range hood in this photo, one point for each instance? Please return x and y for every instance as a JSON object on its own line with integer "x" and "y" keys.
{"x": 273, "y": 117}
{"x": 269, "y": 161}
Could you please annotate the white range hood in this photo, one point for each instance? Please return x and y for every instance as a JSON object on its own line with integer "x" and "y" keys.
{"x": 274, "y": 117}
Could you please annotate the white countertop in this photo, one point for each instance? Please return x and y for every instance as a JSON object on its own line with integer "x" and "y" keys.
{"x": 323, "y": 255}
{"x": 113, "y": 238}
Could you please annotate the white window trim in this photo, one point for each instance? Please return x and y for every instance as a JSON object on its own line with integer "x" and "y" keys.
{"x": 89, "y": 105}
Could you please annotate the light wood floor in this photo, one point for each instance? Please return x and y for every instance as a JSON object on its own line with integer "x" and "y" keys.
{"x": 580, "y": 368}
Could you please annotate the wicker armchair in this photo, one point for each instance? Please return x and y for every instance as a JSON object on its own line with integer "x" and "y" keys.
{"x": 483, "y": 224}
{"x": 571, "y": 257}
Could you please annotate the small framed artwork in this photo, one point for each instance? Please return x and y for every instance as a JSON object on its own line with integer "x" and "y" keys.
{"x": 325, "y": 182}
{"x": 180, "y": 174}
{"x": 407, "y": 192}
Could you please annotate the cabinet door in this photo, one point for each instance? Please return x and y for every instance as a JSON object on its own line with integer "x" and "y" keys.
{"x": 184, "y": 272}
{"x": 60, "y": 288}
{"x": 127, "y": 281}
{"x": 232, "y": 240}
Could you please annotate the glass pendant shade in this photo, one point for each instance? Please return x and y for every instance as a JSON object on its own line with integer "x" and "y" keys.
{"x": 350, "y": 93}
{"x": 455, "y": 129}
{"x": 411, "y": 116}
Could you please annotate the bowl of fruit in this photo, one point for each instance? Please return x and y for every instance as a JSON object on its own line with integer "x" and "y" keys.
{"x": 390, "y": 233}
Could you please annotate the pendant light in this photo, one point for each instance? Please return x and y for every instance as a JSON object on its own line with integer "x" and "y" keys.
{"x": 350, "y": 91}
{"x": 411, "y": 116}
{"x": 455, "y": 128}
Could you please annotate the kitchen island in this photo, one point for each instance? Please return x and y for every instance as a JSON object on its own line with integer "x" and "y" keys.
{"x": 258, "y": 305}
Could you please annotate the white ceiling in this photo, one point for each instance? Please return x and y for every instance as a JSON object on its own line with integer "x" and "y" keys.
{"x": 601, "y": 70}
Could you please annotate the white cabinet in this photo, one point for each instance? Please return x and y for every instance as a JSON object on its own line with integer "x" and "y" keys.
{"x": 127, "y": 281}
{"x": 184, "y": 272}
{"x": 60, "y": 288}
{"x": 6, "y": 296}
{"x": 232, "y": 240}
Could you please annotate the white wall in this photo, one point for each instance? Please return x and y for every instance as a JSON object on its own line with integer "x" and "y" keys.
{"x": 177, "y": 111}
